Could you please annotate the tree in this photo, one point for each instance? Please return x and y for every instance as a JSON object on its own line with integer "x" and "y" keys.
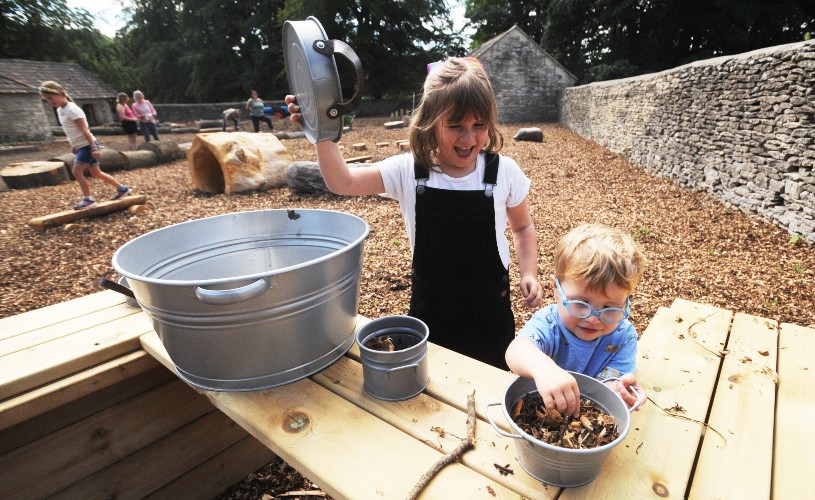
{"x": 48, "y": 30}
{"x": 603, "y": 39}
{"x": 395, "y": 40}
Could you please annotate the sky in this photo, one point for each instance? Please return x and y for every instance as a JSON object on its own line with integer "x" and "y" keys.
{"x": 105, "y": 12}
{"x": 109, "y": 15}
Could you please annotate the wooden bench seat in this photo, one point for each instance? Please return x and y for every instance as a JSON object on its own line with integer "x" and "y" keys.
{"x": 85, "y": 412}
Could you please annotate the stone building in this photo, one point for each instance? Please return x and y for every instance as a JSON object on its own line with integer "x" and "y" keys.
{"x": 527, "y": 81}
{"x": 28, "y": 117}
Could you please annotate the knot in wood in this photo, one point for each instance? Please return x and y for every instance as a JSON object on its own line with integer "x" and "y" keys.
{"x": 295, "y": 422}
{"x": 660, "y": 489}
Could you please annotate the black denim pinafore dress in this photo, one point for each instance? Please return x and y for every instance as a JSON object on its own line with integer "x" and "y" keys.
{"x": 460, "y": 287}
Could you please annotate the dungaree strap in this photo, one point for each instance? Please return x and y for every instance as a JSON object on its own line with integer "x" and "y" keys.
{"x": 422, "y": 174}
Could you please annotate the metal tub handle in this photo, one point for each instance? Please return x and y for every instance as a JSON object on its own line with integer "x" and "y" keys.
{"x": 234, "y": 295}
{"x": 499, "y": 431}
{"x": 632, "y": 390}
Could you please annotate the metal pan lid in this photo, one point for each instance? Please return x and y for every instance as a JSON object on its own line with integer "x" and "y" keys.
{"x": 313, "y": 78}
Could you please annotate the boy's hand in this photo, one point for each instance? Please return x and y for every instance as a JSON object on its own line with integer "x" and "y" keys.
{"x": 294, "y": 110}
{"x": 628, "y": 388}
{"x": 558, "y": 389}
{"x": 531, "y": 291}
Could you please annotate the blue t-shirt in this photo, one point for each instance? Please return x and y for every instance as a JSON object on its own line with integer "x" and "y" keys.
{"x": 611, "y": 355}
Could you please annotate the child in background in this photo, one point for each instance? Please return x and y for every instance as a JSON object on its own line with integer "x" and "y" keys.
{"x": 587, "y": 330}
{"x": 456, "y": 195}
{"x": 83, "y": 143}
{"x": 231, "y": 115}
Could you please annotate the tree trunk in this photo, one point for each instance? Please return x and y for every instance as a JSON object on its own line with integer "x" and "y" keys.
{"x": 140, "y": 158}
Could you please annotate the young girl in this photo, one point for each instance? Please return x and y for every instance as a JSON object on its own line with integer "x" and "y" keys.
{"x": 130, "y": 124}
{"x": 456, "y": 195}
{"x": 83, "y": 143}
{"x": 146, "y": 113}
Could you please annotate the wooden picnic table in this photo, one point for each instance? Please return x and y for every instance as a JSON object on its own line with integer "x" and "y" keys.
{"x": 731, "y": 396}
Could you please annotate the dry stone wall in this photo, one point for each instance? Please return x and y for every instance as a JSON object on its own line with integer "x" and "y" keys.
{"x": 739, "y": 127}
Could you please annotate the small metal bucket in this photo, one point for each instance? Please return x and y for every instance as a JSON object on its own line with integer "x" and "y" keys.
{"x": 399, "y": 374}
{"x": 563, "y": 466}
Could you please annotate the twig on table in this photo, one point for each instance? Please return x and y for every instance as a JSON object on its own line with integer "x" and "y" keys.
{"x": 688, "y": 418}
{"x": 720, "y": 354}
{"x": 463, "y": 446}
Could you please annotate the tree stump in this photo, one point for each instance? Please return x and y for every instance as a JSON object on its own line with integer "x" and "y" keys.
{"x": 166, "y": 151}
{"x": 112, "y": 160}
{"x": 32, "y": 174}
{"x": 140, "y": 158}
{"x": 233, "y": 162}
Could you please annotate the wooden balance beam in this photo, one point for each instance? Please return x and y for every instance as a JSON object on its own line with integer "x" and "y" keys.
{"x": 42, "y": 223}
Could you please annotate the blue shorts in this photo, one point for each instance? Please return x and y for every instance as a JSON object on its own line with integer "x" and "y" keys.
{"x": 83, "y": 155}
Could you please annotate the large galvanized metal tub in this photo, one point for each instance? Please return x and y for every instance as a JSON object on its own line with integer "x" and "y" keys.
{"x": 250, "y": 300}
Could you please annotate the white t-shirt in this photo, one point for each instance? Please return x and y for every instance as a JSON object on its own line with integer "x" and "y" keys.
{"x": 67, "y": 114}
{"x": 510, "y": 190}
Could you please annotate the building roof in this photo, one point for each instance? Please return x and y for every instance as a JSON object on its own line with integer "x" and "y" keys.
{"x": 19, "y": 76}
{"x": 484, "y": 47}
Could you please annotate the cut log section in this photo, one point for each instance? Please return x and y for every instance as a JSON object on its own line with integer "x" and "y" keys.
{"x": 101, "y": 208}
{"x": 34, "y": 174}
{"x": 233, "y": 162}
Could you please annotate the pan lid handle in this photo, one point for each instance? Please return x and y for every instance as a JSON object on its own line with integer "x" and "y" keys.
{"x": 329, "y": 48}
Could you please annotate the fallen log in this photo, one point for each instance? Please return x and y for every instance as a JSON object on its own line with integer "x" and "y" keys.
{"x": 166, "y": 151}
{"x": 33, "y": 174}
{"x": 358, "y": 159}
{"x": 140, "y": 158}
{"x": 233, "y": 162}
{"x": 42, "y": 223}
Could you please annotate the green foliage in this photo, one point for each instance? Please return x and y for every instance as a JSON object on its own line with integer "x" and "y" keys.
{"x": 603, "y": 39}
{"x": 48, "y": 30}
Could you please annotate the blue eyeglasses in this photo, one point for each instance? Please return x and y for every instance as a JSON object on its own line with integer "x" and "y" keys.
{"x": 581, "y": 310}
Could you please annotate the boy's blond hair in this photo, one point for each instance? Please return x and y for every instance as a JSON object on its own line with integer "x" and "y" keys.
{"x": 599, "y": 255}
{"x": 454, "y": 90}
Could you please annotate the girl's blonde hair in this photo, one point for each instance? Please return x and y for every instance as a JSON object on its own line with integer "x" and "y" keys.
{"x": 599, "y": 255}
{"x": 121, "y": 98}
{"x": 50, "y": 87}
{"x": 455, "y": 90}
{"x": 137, "y": 94}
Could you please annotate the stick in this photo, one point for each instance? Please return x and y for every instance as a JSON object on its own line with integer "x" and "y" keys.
{"x": 463, "y": 446}
{"x": 688, "y": 418}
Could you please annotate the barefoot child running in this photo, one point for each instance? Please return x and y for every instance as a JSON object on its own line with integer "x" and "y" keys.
{"x": 586, "y": 330}
{"x": 83, "y": 143}
{"x": 456, "y": 195}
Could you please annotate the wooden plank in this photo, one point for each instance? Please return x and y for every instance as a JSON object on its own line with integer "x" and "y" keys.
{"x": 313, "y": 429}
{"x": 358, "y": 159}
{"x": 219, "y": 473}
{"x": 42, "y": 223}
{"x": 420, "y": 415}
{"x": 31, "y": 368}
{"x": 71, "y": 413}
{"x": 156, "y": 465}
{"x": 68, "y": 327}
{"x": 92, "y": 444}
{"x": 794, "y": 460}
{"x": 34, "y": 403}
{"x": 51, "y": 315}
{"x": 738, "y": 464}
{"x": 674, "y": 369}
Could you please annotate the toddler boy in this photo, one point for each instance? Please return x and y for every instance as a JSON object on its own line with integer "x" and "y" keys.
{"x": 587, "y": 330}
